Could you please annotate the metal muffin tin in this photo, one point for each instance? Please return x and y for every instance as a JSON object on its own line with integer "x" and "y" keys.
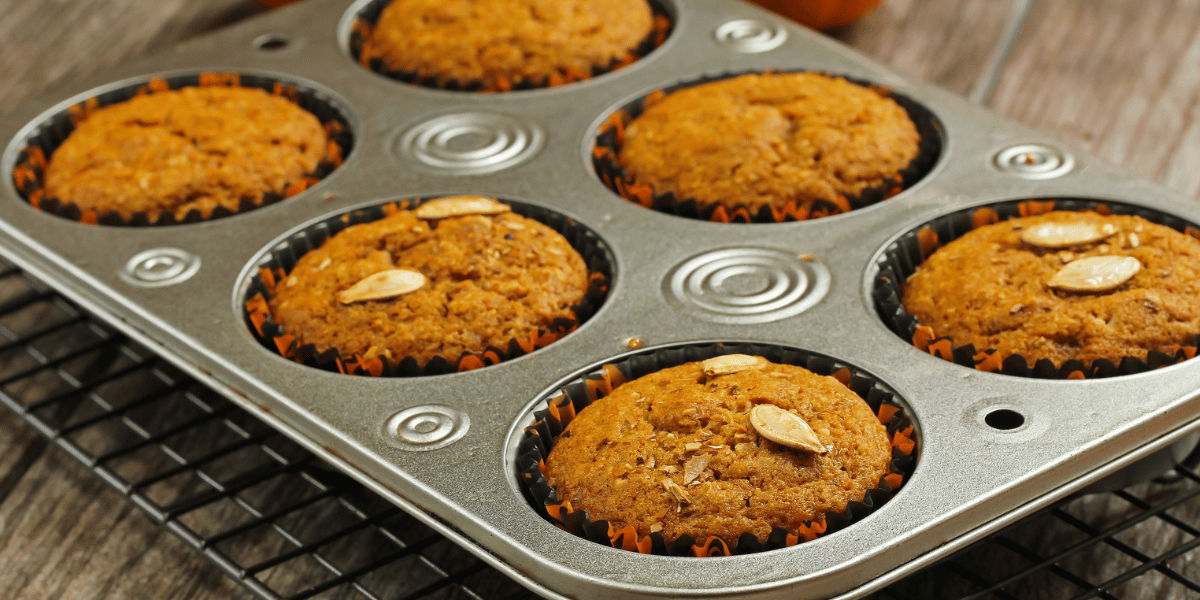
{"x": 443, "y": 446}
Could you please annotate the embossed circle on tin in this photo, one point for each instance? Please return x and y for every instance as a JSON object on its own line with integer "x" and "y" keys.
{"x": 750, "y": 36}
{"x": 471, "y": 143}
{"x": 160, "y": 267}
{"x": 1034, "y": 161}
{"x": 747, "y": 285}
{"x": 426, "y": 427}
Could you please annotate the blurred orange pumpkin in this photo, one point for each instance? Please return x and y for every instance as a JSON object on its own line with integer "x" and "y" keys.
{"x": 820, "y": 14}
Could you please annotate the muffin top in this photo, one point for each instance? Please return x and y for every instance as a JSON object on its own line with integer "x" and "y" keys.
{"x": 996, "y": 287}
{"x": 676, "y": 451}
{"x": 769, "y": 139}
{"x": 501, "y": 42}
{"x": 488, "y": 279}
{"x": 192, "y": 148}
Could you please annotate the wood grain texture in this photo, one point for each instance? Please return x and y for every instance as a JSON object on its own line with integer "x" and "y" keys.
{"x": 47, "y": 41}
{"x": 1120, "y": 79}
{"x": 943, "y": 42}
{"x": 65, "y": 535}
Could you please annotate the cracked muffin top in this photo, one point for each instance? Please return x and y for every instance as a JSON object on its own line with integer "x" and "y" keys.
{"x": 192, "y": 148}
{"x": 452, "y": 283}
{"x": 680, "y": 451}
{"x": 769, "y": 140}
{"x": 1062, "y": 285}
{"x": 502, "y": 42}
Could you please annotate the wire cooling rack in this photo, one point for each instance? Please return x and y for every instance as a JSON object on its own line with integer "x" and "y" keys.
{"x": 282, "y": 524}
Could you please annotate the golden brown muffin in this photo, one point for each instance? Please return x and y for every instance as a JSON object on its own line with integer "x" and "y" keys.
{"x": 769, "y": 139}
{"x": 192, "y": 148}
{"x": 679, "y": 429}
{"x": 491, "y": 279}
{"x": 992, "y": 289}
{"x": 501, "y": 42}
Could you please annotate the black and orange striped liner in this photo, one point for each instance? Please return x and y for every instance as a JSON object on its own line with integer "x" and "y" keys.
{"x": 31, "y": 164}
{"x": 611, "y": 137}
{"x": 901, "y": 259}
{"x": 283, "y": 257}
{"x": 361, "y": 48}
{"x": 577, "y": 395}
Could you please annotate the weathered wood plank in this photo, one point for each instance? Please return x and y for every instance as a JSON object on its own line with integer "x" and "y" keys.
{"x": 47, "y": 41}
{"x": 1120, "y": 79}
{"x": 915, "y": 36}
{"x": 64, "y": 534}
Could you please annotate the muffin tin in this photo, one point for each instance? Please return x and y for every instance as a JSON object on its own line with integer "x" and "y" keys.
{"x": 992, "y": 447}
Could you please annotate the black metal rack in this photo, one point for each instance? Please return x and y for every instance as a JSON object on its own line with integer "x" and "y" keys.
{"x": 274, "y": 518}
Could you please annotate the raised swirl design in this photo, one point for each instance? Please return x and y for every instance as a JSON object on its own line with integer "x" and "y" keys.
{"x": 471, "y": 143}
{"x": 747, "y": 285}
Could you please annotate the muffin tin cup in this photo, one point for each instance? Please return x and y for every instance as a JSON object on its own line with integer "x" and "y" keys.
{"x": 30, "y": 168}
{"x": 363, "y": 27}
{"x": 901, "y": 259}
{"x": 577, "y": 394}
{"x": 610, "y": 138}
{"x": 282, "y": 258}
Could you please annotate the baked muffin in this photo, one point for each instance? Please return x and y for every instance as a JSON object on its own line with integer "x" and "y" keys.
{"x": 499, "y": 44}
{"x": 769, "y": 140}
{"x": 175, "y": 151}
{"x": 455, "y": 275}
{"x": 684, "y": 451}
{"x": 1062, "y": 285}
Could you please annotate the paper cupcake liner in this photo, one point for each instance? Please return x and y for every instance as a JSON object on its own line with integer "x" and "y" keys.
{"x": 611, "y": 137}
{"x": 282, "y": 258}
{"x": 30, "y": 168}
{"x": 363, "y": 27}
{"x": 901, "y": 258}
{"x": 563, "y": 405}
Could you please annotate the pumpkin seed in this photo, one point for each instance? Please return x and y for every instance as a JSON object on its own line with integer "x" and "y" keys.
{"x": 457, "y": 206}
{"x": 1095, "y": 274}
{"x": 785, "y": 428}
{"x": 732, "y": 363}
{"x": 383, "y": 285}
{"x": 1064, "y": 235}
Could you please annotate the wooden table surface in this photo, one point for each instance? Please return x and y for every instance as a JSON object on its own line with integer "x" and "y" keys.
{"x": 1118, "y": 78}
